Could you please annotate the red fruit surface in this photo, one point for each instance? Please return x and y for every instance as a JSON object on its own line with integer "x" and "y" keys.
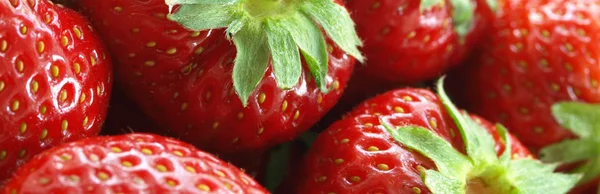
{"x": 407, "y": 45}
{"x": 55, "y": 80}
{"x": 182, "y": 79}
{"x": 130, "y": 163}
{"x": 357, "y": 154}
{"x": 539, "y": 53}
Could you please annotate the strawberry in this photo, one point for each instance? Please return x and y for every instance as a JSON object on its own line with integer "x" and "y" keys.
{"x": 412, "y": 141}
{"x": 133, "y": 163}
{"x": 55, "y": 80}
{"x": 180, "y": 66}
{"x": 409, "y": 41}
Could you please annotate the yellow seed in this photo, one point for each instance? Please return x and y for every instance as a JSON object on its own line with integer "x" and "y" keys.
{"x": 344, "y": 141}
{"x": 15, "y": 105}
{"x": 151, "y": 44}
{"x": 77, "y": 67}
{"x": 372, "y": 148}
{"x": 262, "y": 97}
{"x": 77, "y": 32}
{"x": 146, "y": 151}
{"x": 116, "y": 149}
{"x": 41, "y": 46}
{"x": 66, "y": 157}
{"x": 284, "y": 105}
{"x": 118, "y": 9}
{"x": 23, "y": 30}
{"x": 195, "y": 34}
{"x": 19, "y": 65}
{"x": 82, "y": 97}
{"x": 92, "y": 60}
{"x": 261, "y": 130}
{"x": 102, "y": 176}
{"x": 172, "y": 51}
{"x": 94, "y": 157}
{"x": 54, "y": 70}
{"x": 240, "y": 115}
{"x": 64, "y": 40}
{"x": 355, "y": 179}
{"x": 22, "y": 153}
{"x": 149, "y": 63}
{"x": 199, "y": 50}
{"x": 161, "y": 168}
{"x": 296, "y": 115}
{"x": 228, "y": 185}
{"x": 221, "y": 174}
{"x": 44, "y": 181}
{"x": 319, "y": 98}
{"x": 44, "y": 134}
{"x": 3, "y": 45}
{"x": 23, "y": 128}
{"x": 336, "y": 84}
{"x": 2, "y": 85}
{"x": 215, "y": 125}
{"x": 190, "y": 169}
{"x": 407, "y": 98}
{"x": 203, "y": 187}
{"x": 177, "y": 153}
{"x": 398, "y": 109}
{"x": 369, "y": 124}
{"x": 411, "y": 35}
{"x": 85, "y": 121}
{"x": 338, "y": 161}
{"x": 184, "y": 106}
{"x": 63, "y": 95}
{"x": 569, "y": 47}
{"x": 433, "y": 123}
{"x": 383, "y": 167}
{"x": 127, "y": 164}
{"x": 74, "y": 178}
{"x": 3, "y": 154}
{"x": 135, "y": 30}
{"x": 171, "y": 183}
{"x": 64, "y": 125}
{"x": 416, "y": 190}
{"x": 35, "y": 86}
{"x": 43, "y": 109}
{"x": 321, "y": 179}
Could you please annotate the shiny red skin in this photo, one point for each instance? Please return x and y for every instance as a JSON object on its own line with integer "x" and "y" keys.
{"x": 518, "y": 76}
{"x": 51, "y": 109}
{"x": 133, "y": 163}
{"x": 192, "y": 94}
{"x": 403, "y": 44}
{"x": 351, "y": 138}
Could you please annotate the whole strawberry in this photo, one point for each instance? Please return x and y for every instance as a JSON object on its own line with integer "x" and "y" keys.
{"x": 412, "y": 141}
{"x": 539, "y": 53}
{"x": 409, "y": 41}
{"x": 133, "y": 163}
{"x": 55, "y": 80}
{"x": 230, "y": 75}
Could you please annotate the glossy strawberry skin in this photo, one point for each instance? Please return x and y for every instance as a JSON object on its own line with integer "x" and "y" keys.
{"x": 55, "y": 80}
{"x": 133, "y": 163}
{"x": 406, "y": 45}
{"x": 357, "y": 155}
{"x": 540, "y": 53}
{"x": 182, "y": 79}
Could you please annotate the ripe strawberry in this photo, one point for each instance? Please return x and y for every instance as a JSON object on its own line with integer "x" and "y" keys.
{"x": 193, "y": 81}
{"x": 55, "y": 80}
{"x": 431, "y": 148}
{"x": 133, "y": 163}
{"x": 410, "y": 41}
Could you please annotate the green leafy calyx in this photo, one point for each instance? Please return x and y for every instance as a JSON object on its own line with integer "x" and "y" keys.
{"x": 583, "y": 120}
{"x": 481, "y": 169}
{"x": 279, "y": 31}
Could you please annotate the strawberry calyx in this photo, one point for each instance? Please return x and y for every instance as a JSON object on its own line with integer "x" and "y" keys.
{"x": 279, "y": 31}
{"x": 480, "y": 170}
{"x": 583, "y": 120}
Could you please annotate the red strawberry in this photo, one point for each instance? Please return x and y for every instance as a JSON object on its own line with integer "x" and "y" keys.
{"x": 191, "y": 82}
{"x": 133, "y": 163}
{"x": 424, "y": 153}
{"x": 410, "y": 41}
{"x": 55, "y": 80}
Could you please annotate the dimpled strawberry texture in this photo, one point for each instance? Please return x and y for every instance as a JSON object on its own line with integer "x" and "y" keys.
{"x": 55, "y": 79}
{"x": 182, "y": 79}
{"x": 357, "y": 154}
{"x": 130, "y": 163}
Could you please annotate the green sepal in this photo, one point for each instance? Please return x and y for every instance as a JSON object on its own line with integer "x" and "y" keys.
{"x": 583, "y": 120}
{"x": 426, "y": 4}
{"x": 203, "y": 16}
{"x": 448, "y": 161}
{"x": 532, "y": 177}
{"x": 279, "y": 158}
{"x": 493, "y": 5}
{"x": 463, "y": 12}
{"x": 479, "y": 144}
{"x": 285, "y": 56}
{"x": 312, "y": 44}
{"x": 337, "y": 23}
{"x": 251, "y": 60}
{"x": 439, "y": 184}
{"x": 503, "y": 132}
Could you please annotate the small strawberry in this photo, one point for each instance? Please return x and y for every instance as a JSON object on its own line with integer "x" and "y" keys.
{"x": 539, "y": 53}
{"x": 409, "y": 41}
{"x": 412, "y": 141}
{"x": 230, "y": 75}
{"x": 55, "y": 80}
{"x": 133, "y": 163}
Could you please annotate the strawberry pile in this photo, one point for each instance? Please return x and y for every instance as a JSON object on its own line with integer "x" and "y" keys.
{"x": 300, "y": 96}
